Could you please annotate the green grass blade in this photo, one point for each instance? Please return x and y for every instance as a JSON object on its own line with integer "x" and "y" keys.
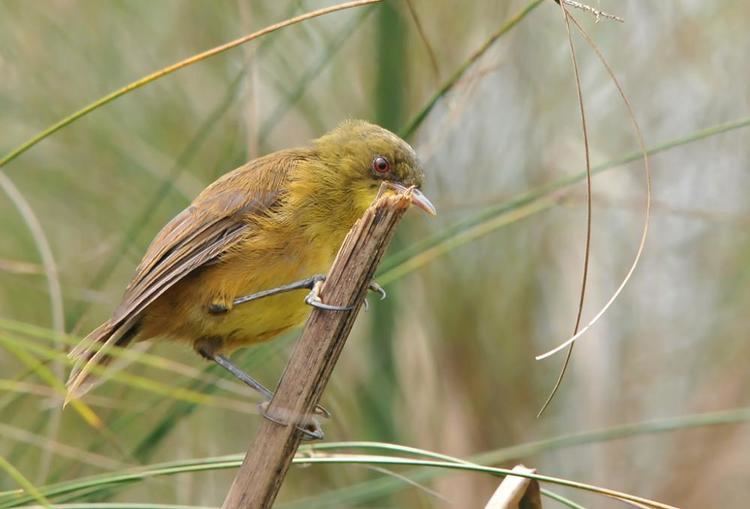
{"x": 372, "y": 489}
{"x": 205, "y": 464}
{"x": 377, "y": 488}
{"x": 24, "y": 483}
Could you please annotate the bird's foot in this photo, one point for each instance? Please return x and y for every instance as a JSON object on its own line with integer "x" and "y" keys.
{"x": 375, "y": 287}
{"x": 313, "y": 299}
{"x": 308, "y": 283}
{"x": 248, "y": 380}
{"x": 312, "y": 283}
{"x": 309, "y": 427}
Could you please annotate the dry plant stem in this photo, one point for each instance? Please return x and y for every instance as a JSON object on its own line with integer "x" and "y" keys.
{"x": 314, "y": 356}
{"x": 647, "y": 218}
{"x": 517, "y": 492}
{"x": 596, "y": 12}
{"x": 587, "y": 243}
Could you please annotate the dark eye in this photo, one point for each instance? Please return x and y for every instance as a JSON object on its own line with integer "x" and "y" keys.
{"x": 381, "y": 165}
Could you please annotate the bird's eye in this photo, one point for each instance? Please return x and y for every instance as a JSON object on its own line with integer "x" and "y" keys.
{"x": 381, "y": 165}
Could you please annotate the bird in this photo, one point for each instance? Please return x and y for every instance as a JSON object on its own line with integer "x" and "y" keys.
{"x": 221, "y": 274}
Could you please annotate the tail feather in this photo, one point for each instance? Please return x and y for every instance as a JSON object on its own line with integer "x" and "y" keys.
{"x": 86, "y": 343}
{"x": 95, "y": 351}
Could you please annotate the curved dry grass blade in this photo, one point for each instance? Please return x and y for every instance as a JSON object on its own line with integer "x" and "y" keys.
{"x": 176, "y": 67}
{"x": 647, "y": 171}
{"x": 587, "y": 244}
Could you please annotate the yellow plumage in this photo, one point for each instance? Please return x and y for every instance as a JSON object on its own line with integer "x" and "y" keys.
{"x": 275, "y": 220}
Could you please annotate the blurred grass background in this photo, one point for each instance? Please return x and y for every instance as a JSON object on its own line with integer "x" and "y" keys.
{"x": 447, "y": 362}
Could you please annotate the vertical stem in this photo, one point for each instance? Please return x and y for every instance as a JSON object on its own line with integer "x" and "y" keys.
{"x": 390, "y": 57}
{"x": 314, "y": 356}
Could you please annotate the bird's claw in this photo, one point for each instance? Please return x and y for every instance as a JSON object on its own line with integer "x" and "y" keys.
{"x": 322, "y": 411}
{"x": 311, "y": 429}
{"x": 313, "y": 299}
{"x": 375, "y": 287}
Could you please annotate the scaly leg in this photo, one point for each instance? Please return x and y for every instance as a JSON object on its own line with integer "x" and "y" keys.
{"x": 311, "y": 431}
{"x": 313, "y": 298}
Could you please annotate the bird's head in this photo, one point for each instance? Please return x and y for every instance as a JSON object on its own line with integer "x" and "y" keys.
{"x": 362, "y": 156}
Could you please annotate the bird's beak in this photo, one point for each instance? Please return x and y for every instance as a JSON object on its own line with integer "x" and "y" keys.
{"x": 417, "y": 197}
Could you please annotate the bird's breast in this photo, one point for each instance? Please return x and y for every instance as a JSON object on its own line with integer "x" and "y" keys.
{"x": 261, "y": 262}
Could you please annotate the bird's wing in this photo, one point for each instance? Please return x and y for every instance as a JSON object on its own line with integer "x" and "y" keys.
{"x": 199, "y": 235}
{"x": 194, "y": 238}
{"x": 217, "y": 219}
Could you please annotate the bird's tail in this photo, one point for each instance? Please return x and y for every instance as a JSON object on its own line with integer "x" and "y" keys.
{"x": 93, "y": 354}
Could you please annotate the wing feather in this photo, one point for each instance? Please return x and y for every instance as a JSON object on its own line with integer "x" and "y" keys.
{"x": 216, "y": 221}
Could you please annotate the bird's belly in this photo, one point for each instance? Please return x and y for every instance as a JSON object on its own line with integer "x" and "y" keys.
{"x": 260, "y": 320}
{"x": 186, "y": 306}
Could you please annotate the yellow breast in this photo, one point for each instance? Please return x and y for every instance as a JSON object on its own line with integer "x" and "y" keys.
{"x": 256, "y": 265}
